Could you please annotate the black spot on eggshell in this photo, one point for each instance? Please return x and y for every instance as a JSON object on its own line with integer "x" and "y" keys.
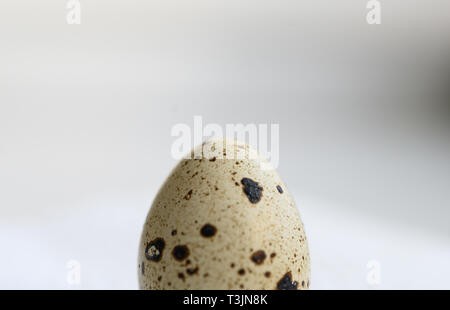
{"x": 192, "y": 271}
{"x": 241, "y": 272}
{"x": 286, "y": 282}
{"x": 181, "y": 276}
{"x": 188, "y": 195}
{"x": 154, "y": 249}
{"x": 142, "y": 268}
{"x": 252, "y": 190}
{"x": 267, "y": 274}
{"x": 174, "y": 232}
{"x": 280, "y": 190}
{"x": 258, "y": 257}
{"x": 213, "y": 159}
{"x": 208, "y": 230}
{"x": 180, "y": 252}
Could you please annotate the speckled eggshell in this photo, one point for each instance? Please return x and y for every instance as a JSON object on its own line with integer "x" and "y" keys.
{"x": 223, "y": 224}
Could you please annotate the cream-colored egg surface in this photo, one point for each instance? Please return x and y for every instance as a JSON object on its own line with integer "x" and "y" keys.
{"x": 223, "y": 221}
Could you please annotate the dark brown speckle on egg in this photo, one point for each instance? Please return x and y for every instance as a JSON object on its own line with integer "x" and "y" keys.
{"x": 208, "y": 230}
{"x": 280, "y": 190}
{"x": 188, "y": 195}
{"x": 286, "y": 282}
{"x": 180, "y": 252}
{"x": 252, "y": 190}
{"x": 258, "y": 257}
{"x": 192, "y": 271}
{"x": 154, "y": 249}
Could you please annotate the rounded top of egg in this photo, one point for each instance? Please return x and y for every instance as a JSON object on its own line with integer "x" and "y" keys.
{"x": 223, "y": 220}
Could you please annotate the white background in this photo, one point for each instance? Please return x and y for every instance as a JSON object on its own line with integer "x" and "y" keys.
{"x": 86, "y": 112}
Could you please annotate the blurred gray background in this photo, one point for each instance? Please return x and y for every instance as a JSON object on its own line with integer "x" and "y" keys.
{"x": 86, "y": 112}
